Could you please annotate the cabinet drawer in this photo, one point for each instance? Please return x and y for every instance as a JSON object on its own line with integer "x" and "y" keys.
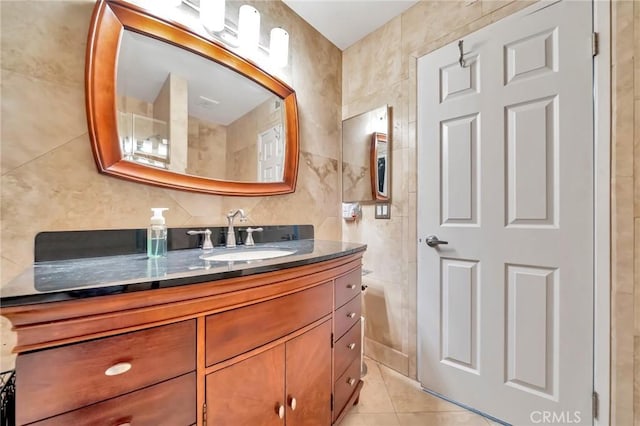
{"x": 62, "y": 379}
{"x": 237, "y": 331}
{"x": 344, "y": 386}
{"x": 346, "y": 349}
{"x": 346, "y": 316}
{"x": 168, "y": 403}
{"x": 347, "y": 286}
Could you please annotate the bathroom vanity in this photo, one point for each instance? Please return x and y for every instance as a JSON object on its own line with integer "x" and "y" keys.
{"x": 261, "y": 342}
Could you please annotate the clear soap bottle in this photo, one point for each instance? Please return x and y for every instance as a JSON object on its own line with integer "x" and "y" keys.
{"x": 157, "y": 234}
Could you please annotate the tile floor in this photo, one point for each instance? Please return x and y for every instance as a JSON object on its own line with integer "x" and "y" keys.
{"x": 390, "y": 399}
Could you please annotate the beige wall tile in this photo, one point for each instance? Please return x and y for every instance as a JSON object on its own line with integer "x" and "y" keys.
{"x": 622, "y": 75}
{"x": 636, "y": 158}
{"x": 38, "y": 116}
{"x": 412, "y": 319}
{"x": 46, "y": 40}
{"x": 636, "y": 42}
{"x": 412, "y": 107}
{"x": 636, "y": 379}
{"x": 412, "y": 170}
{"x": 622, "y": 360}
{"x": 399, "y": 182}
{"x": 388, "y": 356}
{"x": 636, "y": 277}
{"x": 510, "y": 8}
{"x": 622, "y": 119}
{"x": 622, "y": 234}
{"x": 429, "y": 20}
{"x": 381, "y": 306}
{"x": 622, "y": 20}
{"x": 489, "y": 6}
{"x": 374, "y": 59}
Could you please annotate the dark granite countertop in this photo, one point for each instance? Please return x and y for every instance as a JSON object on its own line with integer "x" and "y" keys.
{"x": 81, "y": 278}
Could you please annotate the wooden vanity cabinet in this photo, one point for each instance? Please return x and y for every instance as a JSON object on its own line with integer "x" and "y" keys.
{"x": 347, "y": 342}
{"x": 287, "y": 384}
{"x": 264, "y": 349}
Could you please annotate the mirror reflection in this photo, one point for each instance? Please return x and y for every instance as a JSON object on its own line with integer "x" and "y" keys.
{"x": 379, "y": 166}
{"x": 181, "y": 112}
{"x": 366, "y": 156}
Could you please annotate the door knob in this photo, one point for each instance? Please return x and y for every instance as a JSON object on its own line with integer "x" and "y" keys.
{"x": 433, "y": 241}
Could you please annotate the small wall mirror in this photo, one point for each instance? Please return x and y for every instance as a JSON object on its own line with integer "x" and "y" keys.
{"x": 366, "y": 152}
{"x": 168, "y": 107}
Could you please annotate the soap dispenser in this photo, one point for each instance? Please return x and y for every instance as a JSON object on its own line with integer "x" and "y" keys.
{"x": 157, "y": 234}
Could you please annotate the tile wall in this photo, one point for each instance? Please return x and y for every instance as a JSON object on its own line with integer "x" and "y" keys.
{"x": 50, "y": 181}
{"x": 625, "y": 213}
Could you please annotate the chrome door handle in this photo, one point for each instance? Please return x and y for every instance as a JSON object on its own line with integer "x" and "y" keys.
{"x": 433, "y": 241}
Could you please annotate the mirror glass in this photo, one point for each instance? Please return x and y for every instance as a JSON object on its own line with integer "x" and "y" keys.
{"x": 184, "y": 113}
{"x": 168, "y": 106}
{"x": 366, "y": 153}
{"x": 379, "y": 166}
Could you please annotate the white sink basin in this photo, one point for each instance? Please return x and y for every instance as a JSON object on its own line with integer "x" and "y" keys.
{"x": 240, "y": 256}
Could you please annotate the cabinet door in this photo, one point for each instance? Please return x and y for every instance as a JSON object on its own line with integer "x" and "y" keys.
{"x": 308, "y": 377}
{"x": 249, "y": 392}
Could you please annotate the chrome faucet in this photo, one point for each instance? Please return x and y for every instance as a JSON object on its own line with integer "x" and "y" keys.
{"x": 206, "y": 245}
{"x": 231, "y": 235}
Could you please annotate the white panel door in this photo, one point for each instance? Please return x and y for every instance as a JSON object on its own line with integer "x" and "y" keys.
{"x": 505, "y": 172}
{"x": 271, "y": 155}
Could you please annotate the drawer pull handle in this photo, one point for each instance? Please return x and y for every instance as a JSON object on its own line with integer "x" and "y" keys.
{"x": 281, "y": 411}
{"x": 351, "y": 314}
{"x": 119, "y": 368}
{"x": 351, "y": 346}
{"x": 293, "y": 404}
{"x": 351, "y": 286}
{"x": 125, "y": 424}
{"x": 351, "y": 382}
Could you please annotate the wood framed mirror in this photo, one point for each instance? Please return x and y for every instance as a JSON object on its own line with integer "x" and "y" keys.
{"x": 152, "y": 121}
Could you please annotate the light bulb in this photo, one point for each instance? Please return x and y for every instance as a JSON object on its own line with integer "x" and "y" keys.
{"x": 248, "y": 28}
{"x": 212, "y": 14}
{"x": 279, "y": 47}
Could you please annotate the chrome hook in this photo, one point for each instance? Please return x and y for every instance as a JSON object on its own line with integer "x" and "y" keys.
{"x": 463, "y": 64}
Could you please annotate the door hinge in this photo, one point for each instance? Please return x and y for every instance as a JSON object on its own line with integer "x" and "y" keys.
{"x": 594, "y": 43}
{"x": 595, "y": 403}
{"x": 204, "y": 414}
{"x": 331, "y": 402}
{"x": 331, "y": 341}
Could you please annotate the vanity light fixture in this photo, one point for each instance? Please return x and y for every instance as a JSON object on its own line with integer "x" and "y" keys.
{"x": 249, "y": 28}
{"x": 279, "y": 47}
{"x": 212, "y": 14}
{"x": 246, "y": 36}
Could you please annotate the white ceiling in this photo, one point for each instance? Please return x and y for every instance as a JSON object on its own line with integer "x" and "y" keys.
{"x": 344, "y": 22}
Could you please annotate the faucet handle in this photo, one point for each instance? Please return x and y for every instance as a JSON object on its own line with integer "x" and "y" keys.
{"x": 206, "y": 245}
{"x": 249, "y": 241}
